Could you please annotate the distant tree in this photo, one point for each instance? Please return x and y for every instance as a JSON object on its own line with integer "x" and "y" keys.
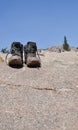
{"x": 66, "y": 45}
{"x": 4, "y": 50}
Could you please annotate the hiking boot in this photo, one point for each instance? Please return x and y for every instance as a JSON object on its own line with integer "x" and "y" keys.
{"x": 16, "y": 59}
{"x": 31, "y": 59}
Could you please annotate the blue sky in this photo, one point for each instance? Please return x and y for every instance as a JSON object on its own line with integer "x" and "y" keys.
{"x": 44, "y": 21}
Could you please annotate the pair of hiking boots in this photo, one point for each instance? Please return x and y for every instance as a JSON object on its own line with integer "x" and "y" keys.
{"x": 28, "y": 53}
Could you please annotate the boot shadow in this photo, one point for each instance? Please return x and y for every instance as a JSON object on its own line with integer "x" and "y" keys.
{"x": 16, "y": 66}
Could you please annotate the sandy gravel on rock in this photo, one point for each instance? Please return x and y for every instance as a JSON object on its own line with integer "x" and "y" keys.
{"x": 43, "y": 98}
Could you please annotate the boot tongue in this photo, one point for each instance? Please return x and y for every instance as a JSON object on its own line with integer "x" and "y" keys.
{"x": 17, "y": 45}
{"x": 32, "y": 47}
